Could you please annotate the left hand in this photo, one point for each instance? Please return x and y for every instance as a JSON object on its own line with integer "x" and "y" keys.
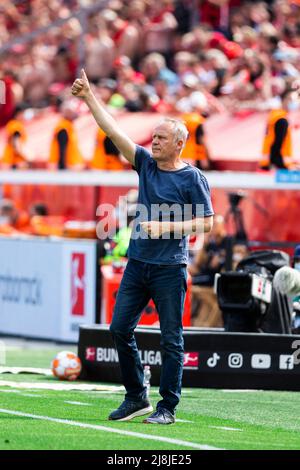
{"x": 155, "y": 229}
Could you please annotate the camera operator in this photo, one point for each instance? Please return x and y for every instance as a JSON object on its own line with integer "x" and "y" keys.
{"x": 209, "y": 260}
{"x": 296, "y": 300}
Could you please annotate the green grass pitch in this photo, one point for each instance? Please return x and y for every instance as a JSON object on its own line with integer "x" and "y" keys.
{"x": 78, "y": 419}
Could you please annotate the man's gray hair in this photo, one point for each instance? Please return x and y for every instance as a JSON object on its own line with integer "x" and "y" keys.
{"x": 179, "y": 129}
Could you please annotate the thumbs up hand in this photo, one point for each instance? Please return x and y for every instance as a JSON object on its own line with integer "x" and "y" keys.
{"x": 81, "y": 86}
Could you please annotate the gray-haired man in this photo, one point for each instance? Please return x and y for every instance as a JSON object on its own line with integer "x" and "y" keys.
{"x": 157, "y": 256}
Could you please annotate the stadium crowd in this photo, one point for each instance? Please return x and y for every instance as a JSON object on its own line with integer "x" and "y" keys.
{"x": 160, "y": 56}
{"x": 190, "y": 58}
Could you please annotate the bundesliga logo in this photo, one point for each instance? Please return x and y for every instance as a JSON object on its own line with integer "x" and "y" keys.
{"x": 90, "y": 354}
{"x": 78, "y": 285}
{"x": 191, "y": 360}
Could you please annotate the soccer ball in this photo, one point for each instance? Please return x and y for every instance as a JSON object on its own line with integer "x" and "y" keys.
{"x": 66, "y": 366}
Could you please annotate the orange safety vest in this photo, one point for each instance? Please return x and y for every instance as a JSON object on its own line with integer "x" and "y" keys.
{"x": 286, "y": 148}
{"x": 10, "y": 155}
{"x": 101, "y": 160}
{"x": 192, "y": 150}
{"x": 73, "y": 154}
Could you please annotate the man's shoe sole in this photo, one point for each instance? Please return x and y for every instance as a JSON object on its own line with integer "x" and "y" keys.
{"x": 141, "y": 412}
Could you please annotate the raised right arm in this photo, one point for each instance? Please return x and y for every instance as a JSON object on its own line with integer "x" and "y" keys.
{"x": 105, "y": 121}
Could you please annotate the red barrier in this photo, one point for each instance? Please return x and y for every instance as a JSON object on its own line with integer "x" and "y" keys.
{"x": 268, "y": 214}
{"x": 110, "y": 285}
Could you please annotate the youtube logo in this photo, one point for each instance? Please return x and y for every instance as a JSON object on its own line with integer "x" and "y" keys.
{"x": 260, "y": 361}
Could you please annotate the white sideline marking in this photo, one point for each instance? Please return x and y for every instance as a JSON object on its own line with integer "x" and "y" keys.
{"x": 20, "y": 393}
{"x": 77, "y": 403}
{"x": 113, "y": 430}
{"x": 101, "y": 392}
{"x": 57, "y": 385}
{"x": 183, "y": 421}
{"x": 31, "y": 395}
{"x": 241, "y": 391}
{"x": 25, "y": 370}
{"x": 225, "y": 428}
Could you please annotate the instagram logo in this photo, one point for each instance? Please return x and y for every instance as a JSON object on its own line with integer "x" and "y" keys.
{"x": 235, "y": 360}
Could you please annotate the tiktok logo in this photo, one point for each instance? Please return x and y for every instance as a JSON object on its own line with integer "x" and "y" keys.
{"x": 213, "y": 360}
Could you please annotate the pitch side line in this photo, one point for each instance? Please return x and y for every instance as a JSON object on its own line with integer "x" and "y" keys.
{"x": 108, "y": 429}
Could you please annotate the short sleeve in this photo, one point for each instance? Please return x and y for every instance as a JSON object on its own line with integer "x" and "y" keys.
{"x": 200, "y": 196}
{"x": 142, "y": 157}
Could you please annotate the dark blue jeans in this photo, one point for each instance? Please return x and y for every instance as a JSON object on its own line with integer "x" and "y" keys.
{"x": 166, "y": 285}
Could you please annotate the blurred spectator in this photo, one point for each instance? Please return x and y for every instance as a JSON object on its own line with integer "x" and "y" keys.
{"x": 184, "y": 63}
{"x": 135, "y": 13}
{"x": 216, "y": 12}
{"x": 64, "y": 64}
{"x": 64, "y": 150}
{"x": 107, "y": 92}
{"x": 12, "y": 221}
{"x": 282, "y": 63}
{"x": 38, "y": 208}
{"x": 159, "y": 29}
{"x": 183, "y": 12}
{"x": 12, "y": 95}
{"x": 239, "y": 252}
{"x": 154, "y": 68}
{"x": 209, "y": 261}
{"x": 277, "y": 146}
{"x": 212, "y": 69}
{"x": 160, "y": 100}
{"x": 14, "y": 155}
{"x": 134, "y": 98}
{"x": 194, "y": 106}
{"x": 189, "y": 96}
{"x": 268, "y": 39}
{"x": 100, "y": 51}
{"x": 106, "y": 155}
{"x": 196, "y": 149}
{"x": 124, "y": 72}
{"x": 38, "y": 216}
{"x": 124, "y": 34}
{"x": 35, "y": 77}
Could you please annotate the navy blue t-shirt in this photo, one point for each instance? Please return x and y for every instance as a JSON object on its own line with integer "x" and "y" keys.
{"x": 159, "y": 190}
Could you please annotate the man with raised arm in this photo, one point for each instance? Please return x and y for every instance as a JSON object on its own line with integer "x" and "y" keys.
{"x": 174, "y": 201}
